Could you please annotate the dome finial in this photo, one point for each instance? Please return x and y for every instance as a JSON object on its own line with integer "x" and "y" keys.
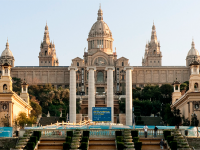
{"x": 193, "y": 45}
{"x": 7, "y": 44}
{"x": 100, "y": 14}
{"x": 100, "y": 6}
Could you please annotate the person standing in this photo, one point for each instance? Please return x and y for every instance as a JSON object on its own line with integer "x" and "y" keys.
{"x": 161, "y": 144}
{"x": 145, "y": 130}
{"x": 155, "y": 131}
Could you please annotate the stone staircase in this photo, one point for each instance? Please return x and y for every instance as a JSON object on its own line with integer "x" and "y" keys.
{"x": 150, "y": 143}
{"x": 102, "y": 143}
{"x": 48, "y": 120}
{"x": 128, "y": 141}
{"x": 152, "y": 120}
{"x": 51, "y": 144}
{"x": 23, "y": 140}
{"x": 76, "y": 140}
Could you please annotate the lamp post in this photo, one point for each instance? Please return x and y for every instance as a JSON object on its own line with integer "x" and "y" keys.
{"x": 195, "y": 116}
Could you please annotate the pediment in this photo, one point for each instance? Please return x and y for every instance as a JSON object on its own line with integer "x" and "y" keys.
{"x": 77, "y": 59}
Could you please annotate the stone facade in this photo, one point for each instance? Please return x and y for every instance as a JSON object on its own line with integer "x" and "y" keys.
{"x": 100, "y": 55}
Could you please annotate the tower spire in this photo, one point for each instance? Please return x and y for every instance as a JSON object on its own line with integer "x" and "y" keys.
{"x": 153, "y": 33}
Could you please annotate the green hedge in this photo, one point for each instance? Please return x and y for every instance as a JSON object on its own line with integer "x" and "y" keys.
{"x": 173, "y": 145}
{"x": 68, "y": 139}
{"x": 118, "y": 133}
{"x": 166, "y": 133}
{"x": 85, "y": 139}
{"x": 138, "y": 145}
{"x": 66, "y": 146}
{"x": 134, "y": 133}
{"x": 37, "y": 134}
{"x": 170, "y": 138}
{"x": 30, "y": 146}
{"x": 33, "y": 139}
{"x": 139, "y": 122}
{"x": 120, "y": 145}
{"x": 86, "y": 133}
{"x": 135, "y": 139}
{"x": 84, "y": 145}
{"x": 119, "y": 138}
{"x": 70, "y": 133}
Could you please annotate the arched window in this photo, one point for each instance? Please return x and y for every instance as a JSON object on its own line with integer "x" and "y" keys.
{"x": 77, "y": 63}
{"x": 154, "y": 52}
{"x": 4, "y": 88}
{"x": 176, "y": 87}
{"x": 100, "y": 77}
{"x": 196, "y": 85}
{"x": 24, "y": 88}
{"x": 45, "y": 53}
{"x": 122, "y": 63}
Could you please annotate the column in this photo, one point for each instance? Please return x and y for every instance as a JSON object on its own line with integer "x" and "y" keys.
{"x": 129, "y": 112}
{"x": 110, "y": 85}
{"x": 10, "y": 113}
{"x": 72, "y": 96}
{"x": 91, "y": 91}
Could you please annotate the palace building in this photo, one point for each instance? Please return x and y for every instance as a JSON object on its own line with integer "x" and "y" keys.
{"x": 100, "y": 78}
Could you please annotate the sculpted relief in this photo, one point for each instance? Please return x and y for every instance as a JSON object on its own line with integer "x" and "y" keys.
{"x": 100, "y": 61}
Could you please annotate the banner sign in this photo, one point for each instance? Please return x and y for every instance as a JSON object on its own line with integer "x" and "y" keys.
{"x": 100, "y": 114}
{"x": 6, "y": 131}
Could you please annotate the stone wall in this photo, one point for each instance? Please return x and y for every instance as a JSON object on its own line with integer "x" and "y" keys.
{"x": 7, "y": 143}
{"x": 195, "y": 142}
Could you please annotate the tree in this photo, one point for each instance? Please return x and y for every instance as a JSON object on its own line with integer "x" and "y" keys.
{"x": 37, "y": 109}
{"x": 194, "y": 120}
{"x": 184, "y": 86}
{"x": 22, "y": 119}
{"x": 186, "y": 121}
{"x": 156, "y": 105}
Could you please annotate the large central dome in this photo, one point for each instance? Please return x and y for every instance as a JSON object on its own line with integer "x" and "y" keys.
{"x": 100, "y": 28}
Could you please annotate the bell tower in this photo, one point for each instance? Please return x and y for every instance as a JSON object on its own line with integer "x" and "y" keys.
{"x": 47, "y": 55}
{"x": 24, "y": 92}
{"x": 153, "y": 55}
{"x": 176, "y": 94}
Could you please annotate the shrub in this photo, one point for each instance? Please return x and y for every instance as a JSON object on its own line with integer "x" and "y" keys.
{"x": 86, "y": 133}
{"x": 138, "y": 145}
{"x": 120, "y": 145}
{"x": 140, "y": 122}
{"x": 173, "y": 145}
{"x": 138, "y": 118}
{"x": 170, "y": 138}
{"x": 70, "y": 133}
{"x": 33, "y": 139}
{"x": 137, "y": 113}
{"x": 119, "y": 138}
{"x": 68, "y": 139}
{"x": 37, "y": 134}
{"x": 85, "y": 139}
{"x": 66, "y": 146}
{"x": 166, "y": 133}
{"x": 84, "y": 145}
{"x": 118, "y": 133}
{"x": 135, "y": 139}
{"x": 134, "y": 133}
{"x": 62, "y": 119}
{"x": 30, "y": 146}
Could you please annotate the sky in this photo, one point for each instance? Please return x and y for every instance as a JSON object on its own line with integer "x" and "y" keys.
{"x": 69, "y": 22}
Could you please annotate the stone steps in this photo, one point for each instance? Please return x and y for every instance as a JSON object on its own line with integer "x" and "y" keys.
{"x": 102, "y": 143}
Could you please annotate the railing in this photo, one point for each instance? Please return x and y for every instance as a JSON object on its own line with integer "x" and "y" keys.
{"x": 62, "y": 133}
{"x": 150, "y": 133}
{"x": 196, "y": 89}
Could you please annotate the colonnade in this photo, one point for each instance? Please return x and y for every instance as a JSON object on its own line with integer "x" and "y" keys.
{"x": 91, "y": 92}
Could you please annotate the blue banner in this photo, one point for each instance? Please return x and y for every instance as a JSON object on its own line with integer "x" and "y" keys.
{"x": 100, "y": 114}
{"x": 6, "y": 131}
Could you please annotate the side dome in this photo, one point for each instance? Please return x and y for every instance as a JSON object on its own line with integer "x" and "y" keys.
{"x": 100, "y": 28}
{"x": 193, "y": 51}
{"x": 7, "y": 51}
